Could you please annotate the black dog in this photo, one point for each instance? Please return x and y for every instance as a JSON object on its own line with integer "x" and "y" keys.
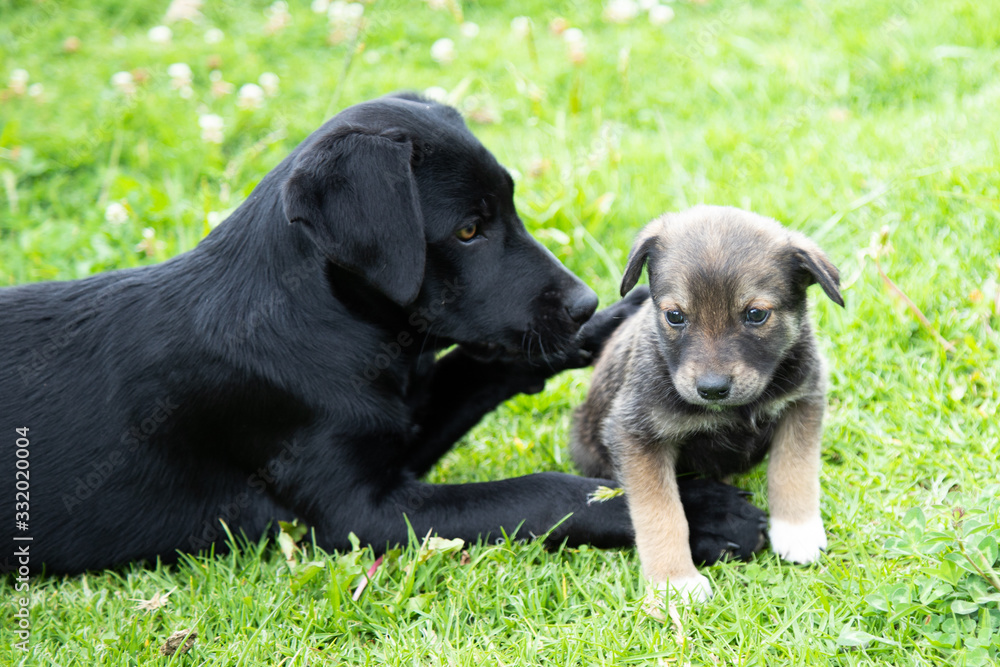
{"x": 289, "y": 365}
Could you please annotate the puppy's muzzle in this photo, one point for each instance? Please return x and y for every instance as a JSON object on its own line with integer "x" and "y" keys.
{"x": 713, "y": 387}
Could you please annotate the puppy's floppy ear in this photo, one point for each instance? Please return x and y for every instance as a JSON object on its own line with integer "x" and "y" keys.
{"x": 644, "y": 245}
{"x": 818, "y": 268}
{"x": 355, "y": 195}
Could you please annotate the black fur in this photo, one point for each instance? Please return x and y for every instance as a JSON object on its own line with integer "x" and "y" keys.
{"x": 289, "y": 365}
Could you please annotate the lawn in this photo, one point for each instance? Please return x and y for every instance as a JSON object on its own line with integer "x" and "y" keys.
{"x": 871, "y": 126}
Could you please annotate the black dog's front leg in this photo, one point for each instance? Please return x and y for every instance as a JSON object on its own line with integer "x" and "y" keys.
{"x": 528, "y": 506}
{"x": 462, "y": 389}
{"x": 722, "y": 523}
{"x": 359, "y": 487}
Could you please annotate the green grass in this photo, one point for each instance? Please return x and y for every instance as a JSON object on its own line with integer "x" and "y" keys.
{"x": 840, "y": 119}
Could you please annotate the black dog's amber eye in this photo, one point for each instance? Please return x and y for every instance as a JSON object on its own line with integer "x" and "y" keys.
{"x": 675, "y": 318}
{"x": 757, "y": 315}
{"x": 468, "y": 232}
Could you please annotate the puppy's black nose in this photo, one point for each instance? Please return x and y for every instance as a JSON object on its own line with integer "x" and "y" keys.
{"x": 713, "y": 387}
{"x": 582, "y": 306}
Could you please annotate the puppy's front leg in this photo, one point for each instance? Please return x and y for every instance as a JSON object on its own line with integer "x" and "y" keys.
{"x": 797, "y": 532}
{"x": 661, "y": 531}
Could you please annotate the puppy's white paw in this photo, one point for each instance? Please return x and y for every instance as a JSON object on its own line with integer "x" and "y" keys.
{"x": 798, "y": 542}
{"x": 686, "y": 590}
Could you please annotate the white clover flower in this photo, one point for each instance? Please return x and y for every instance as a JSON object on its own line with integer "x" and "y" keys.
{"x": 214, "y": 36}
{"x": 335, "y": 12}
{"x": 520, "y": 26}
{"x": 354, "y": 11}
{"x": 180, "y": 75}
{"x": 211, "y": 127}
{"x": 469, "y": 29}
{"x": 661, "y": 15}
{"x": 574, "y": 36}
{"x": 436, "y": 94}
{"x": 320, "y": 6}
{"x": 277, "y": 7}
{"x": 345, "y": 20}
{"x": 116, "y": 213}
{"x": 179, "y": 71}
{"x": 251, "y": 96}
{"x": 558, "y": 25}
{"x": 36, "y": 90}
{"x": 180, "y": 78}
{"x": 576, "y": 45}
{"x": 149, "y": 243}
{"x": 437, "y": 5}
{"x": 183, "y": 10}
{"x": 18, "y": 81}
{"x": 621, "y": 11}
{"x": 219, "y": 86}
{"x": 123, "y": 82}
{"x": 343, "y": 14}
{"x": 269, "y": 81}
{"x": 160, "y": 34}
{"x": 646, "y": 5}
{"x": 443, "y": 51}
{"x": 278, "y": 17}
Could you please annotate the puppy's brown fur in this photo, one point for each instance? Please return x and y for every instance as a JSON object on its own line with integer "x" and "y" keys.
{"x": 694, "y": 383}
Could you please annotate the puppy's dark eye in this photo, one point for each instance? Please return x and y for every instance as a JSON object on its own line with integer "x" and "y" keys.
{"x": 675, "y": 318}
{"x": 757, "y": 315}
{"x": 468, "y": 232}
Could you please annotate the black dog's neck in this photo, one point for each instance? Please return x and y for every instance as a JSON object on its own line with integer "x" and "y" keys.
{"x": 365, "y": 302}
{"x": 258, "y": 231}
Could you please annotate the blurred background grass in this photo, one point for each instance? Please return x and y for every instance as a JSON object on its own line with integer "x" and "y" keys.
{"x": 871, "y": 126}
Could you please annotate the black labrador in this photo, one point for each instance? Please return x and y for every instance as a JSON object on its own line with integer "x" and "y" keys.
{"x": 291, "y": 366}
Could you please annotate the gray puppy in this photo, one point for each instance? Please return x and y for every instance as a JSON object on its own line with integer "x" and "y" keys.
{"x": 717, "y": 369}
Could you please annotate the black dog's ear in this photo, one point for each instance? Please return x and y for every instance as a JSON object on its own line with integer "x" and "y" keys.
{"x": 818, "y": 269}
{"x": 644, "y": 245}
{"x": 355, "y": 194}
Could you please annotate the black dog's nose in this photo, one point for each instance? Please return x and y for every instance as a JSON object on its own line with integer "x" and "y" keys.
{"x": 713, "y": 387}
{"x": 582, "y": 307}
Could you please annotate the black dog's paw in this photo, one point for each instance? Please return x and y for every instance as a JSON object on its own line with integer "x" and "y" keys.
{"x": 722, "y": 523}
